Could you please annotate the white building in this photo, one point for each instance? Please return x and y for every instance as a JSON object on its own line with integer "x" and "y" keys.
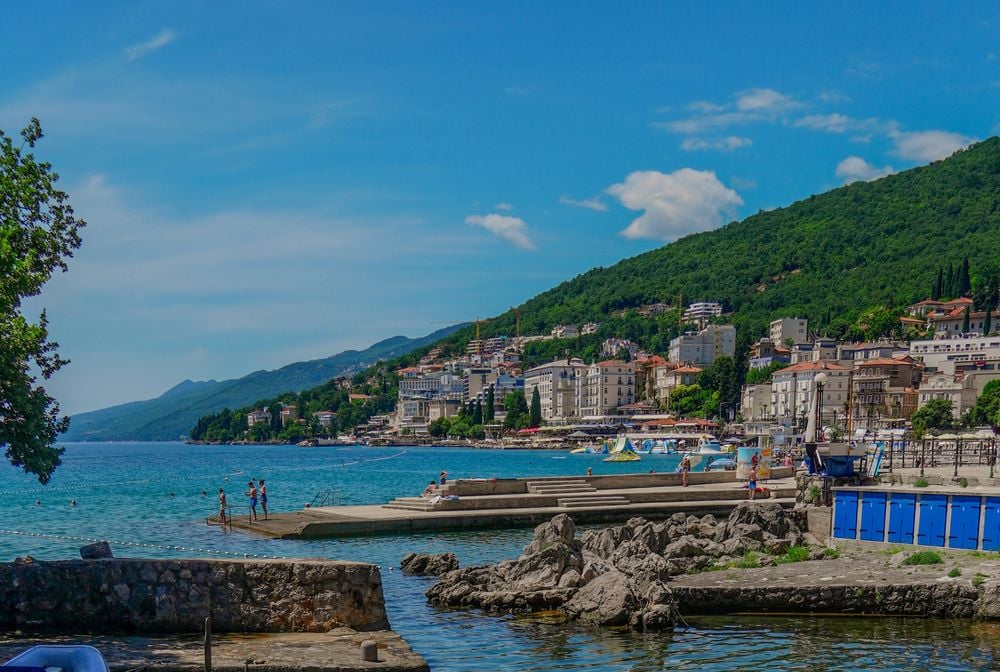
{"x": 605, "y": 386}
{"x": 952, "y": 355}
{"x": 755, "y": 402}
{"x": 565, "y": 331}
{"x": 793, "y": 388}
{"x": 704, "y": 347}
{"x": 702, "y": 311}
{"x": 556, "y": 385}
{"x": 786, "y": 328}
{"x": 612, "y": 346}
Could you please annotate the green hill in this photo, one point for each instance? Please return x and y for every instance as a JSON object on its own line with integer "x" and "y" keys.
{"x": 173, "y": 413}
{"x": 828, "y": 257}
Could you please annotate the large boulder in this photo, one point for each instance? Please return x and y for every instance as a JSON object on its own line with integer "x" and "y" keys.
{"x": 427, "y": 564}
{"x": 96, "y": 551}
{"x": 607, "y": 600}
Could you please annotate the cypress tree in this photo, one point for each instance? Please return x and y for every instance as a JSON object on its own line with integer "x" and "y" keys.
{"x": 490, "y": 412}
{"x": 965, "y": 321}
{"x": 535, "y": 416}
{"x": 964, "y": 281}
{"x": 936, "y": 290}
{"x": 477, "y": 413}
{"x": 987, "y": 322}
{"x": 948, "y": 291}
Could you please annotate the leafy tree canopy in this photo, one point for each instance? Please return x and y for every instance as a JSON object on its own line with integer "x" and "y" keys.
{"x": 38, "y": 233}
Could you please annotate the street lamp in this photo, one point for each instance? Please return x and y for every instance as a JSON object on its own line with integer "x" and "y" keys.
{"x": 820, "y": 379}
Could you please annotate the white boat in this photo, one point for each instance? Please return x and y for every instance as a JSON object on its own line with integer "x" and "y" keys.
{"x": 65, "y": 658}
{"x": 709, "y": 445}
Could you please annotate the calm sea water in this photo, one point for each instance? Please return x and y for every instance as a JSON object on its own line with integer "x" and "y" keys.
{"x": 147, "y": 500}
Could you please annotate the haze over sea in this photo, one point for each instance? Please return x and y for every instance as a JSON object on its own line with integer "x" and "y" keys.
{"x": 146, "y": 498}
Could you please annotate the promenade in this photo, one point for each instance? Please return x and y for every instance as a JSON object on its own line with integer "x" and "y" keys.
{"x": 525, "y": 502}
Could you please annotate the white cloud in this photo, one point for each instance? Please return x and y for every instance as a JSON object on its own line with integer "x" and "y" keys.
{"x": 675, "y": 204}
{"x": 726, "y": 144}
{"x": 764, "y": 100}
{"x": 748, "y": 106}
{"x": 926, "y": 146}
{"x": 504, "y": 206}
{"x": 705, "y": 107}
{"x": 854, "y": 169}
{"x": 511, "y": 229}
{"x": 834, "y": 97}
{"x": 589, "y": 203}
{"x": 162, "y": 39}
{"x": 833, "y": 123}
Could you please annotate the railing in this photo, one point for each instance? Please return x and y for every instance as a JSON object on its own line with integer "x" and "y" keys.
{"x": 934, "y": 452}
{"x": 228, "y": 520}
{"x": 326, "y": 498}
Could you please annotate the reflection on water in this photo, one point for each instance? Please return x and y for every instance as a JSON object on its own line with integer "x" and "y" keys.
{"x": 151, "y": 493}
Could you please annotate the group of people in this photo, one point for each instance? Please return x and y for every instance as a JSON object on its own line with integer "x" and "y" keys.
{"x": 432, "y": 487}
{"x": 257, "y": 494}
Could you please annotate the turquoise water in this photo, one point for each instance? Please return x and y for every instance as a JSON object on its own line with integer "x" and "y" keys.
{"x": 123, "y": 494}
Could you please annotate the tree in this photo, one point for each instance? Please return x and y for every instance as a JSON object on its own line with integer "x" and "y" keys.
{"x": 936, "y": 290}
{"x": 535, "y": 415}
{"x": 988, "y": 322}
{"x": 935, "y": 414}
{"x": 38, "y": 233}
{"x": 964, "y": 284}
{"x": 489, "y": 413}
{"x": 965, "y": 321}
{"x": 477, "y": 413}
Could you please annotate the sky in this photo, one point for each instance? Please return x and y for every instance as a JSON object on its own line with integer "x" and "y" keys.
{"x": 270, "y": 182}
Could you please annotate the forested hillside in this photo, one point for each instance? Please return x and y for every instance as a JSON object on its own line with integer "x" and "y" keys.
{"x": 172, "y": 414}
{"x": 861, "y": 250}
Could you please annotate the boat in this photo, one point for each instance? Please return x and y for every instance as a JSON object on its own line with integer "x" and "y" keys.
{"x": 62, "y": 657}
{"x": 709, "y": 445}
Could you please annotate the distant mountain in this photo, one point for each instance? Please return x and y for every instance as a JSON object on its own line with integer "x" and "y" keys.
{"x": 174, "y": 412}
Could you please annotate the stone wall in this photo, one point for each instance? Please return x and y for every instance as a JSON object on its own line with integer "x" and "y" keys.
{"x": 942, "y": 601}
{"x": 175, "y": 596}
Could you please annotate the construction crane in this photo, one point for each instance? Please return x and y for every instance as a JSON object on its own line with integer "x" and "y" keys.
{"x": 517, "y": 321}
{"x": 478, "y": 321}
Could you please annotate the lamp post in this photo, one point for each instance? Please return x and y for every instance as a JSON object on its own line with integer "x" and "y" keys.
{"x": 811, "y": 451}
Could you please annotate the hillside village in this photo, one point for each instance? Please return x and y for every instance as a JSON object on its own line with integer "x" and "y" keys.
{"x": 485, "y": 393}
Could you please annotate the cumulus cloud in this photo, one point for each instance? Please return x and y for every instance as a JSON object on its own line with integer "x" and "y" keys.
{"x": 503, "y": 205}
{"x": 764, "y": 99}
{"x": 674, "y": 204}
{"x": 855, "y": 169}
{"x": 511, "y": 229}
{"x": 162, "y": 39}
{"x": 834, "y": 123}
{"x": 926, "y": 146}
{"x": 589, "y": 203}
{"x": 746, "y": 107}
{"x": 726, "y": 144}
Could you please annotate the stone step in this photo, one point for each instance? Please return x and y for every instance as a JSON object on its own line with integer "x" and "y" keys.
{"x": 559, "y": 489}
{"x": 409, "y": 504}
{"x": 557, "y": 481}
{"x": 599, "y": 500}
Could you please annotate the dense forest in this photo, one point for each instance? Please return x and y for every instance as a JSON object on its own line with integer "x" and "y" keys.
{"x": 848, "y": 260}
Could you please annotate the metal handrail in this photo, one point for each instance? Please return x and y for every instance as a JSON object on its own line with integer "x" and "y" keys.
{"x": 329, "y": 497}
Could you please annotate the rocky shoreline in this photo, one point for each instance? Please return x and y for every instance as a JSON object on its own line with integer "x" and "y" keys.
{"x": 648, "y": 575}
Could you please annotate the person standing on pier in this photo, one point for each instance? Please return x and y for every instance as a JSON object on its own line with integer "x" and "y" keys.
{"x": 263, "y": 498}
{"x": 752, "y": 480}
{"x": 685, "y": 467}
{"x": 252, "y": 494}
{"x": 222, "y": 505}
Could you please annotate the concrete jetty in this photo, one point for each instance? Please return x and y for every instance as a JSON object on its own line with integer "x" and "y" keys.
{"x": 525, "y": 502}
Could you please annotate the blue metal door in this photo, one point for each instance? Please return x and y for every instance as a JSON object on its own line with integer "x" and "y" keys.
{"x": 902, "y": 510}
{"x": 932, "y": 520}
{"x": 873, "y": 516}
{"x": 991, "y": 525}
{"x": 964, "y": 522}
{"x": 845, "y": 518}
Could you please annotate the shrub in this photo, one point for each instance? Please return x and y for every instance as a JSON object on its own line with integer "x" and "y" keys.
{"x": 920, "y": 483}
{"x": 978, "y": 579}
{"x": 924, "y": 558}
{"x": 832, "y": 553}
{"x": 955, "y": 572}
{"x": 963, "y": 482}
{"x": 794, "y": 554}
{"x": 748, "y": 561}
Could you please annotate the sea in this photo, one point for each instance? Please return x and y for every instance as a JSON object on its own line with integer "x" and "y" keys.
{"x": 152, "y": 500}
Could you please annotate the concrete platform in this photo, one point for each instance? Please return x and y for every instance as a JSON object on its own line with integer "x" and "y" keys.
{"x": 334, "y": 651}
{"x": 515, "y": 509}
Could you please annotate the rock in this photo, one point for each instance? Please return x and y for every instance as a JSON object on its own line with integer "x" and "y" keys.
{"x": 607, "y": 600}
{"x": 96, "y": 551}
{"x": 777, "y": 546}
{"x": 685, "y": 547}
{"x": 426, "y": 564}
{"x": 988, "y": 604}
{"x": 560, "y": 529}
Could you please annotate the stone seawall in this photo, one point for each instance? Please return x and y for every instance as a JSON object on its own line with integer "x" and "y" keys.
{"x": 175, "y": 596}
{"x": 941, "y": 601}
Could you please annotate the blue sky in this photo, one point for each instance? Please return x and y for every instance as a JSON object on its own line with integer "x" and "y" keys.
{"x": 271, "y": 182}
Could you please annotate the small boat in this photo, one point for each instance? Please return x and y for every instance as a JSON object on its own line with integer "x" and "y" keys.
{"x": 65, "y": 658}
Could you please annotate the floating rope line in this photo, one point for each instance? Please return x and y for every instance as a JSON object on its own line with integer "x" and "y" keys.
{"x": 138, "y": 544}
{"x": 237, "y": 472}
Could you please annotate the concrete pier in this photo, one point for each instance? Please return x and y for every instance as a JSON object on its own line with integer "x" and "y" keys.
{"x": 525, "y": 502}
